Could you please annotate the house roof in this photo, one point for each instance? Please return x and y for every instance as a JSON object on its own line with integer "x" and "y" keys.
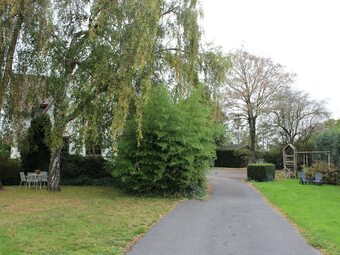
{"x": 289, "y": 146}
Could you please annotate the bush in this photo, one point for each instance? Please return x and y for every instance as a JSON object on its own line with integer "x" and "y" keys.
{"x": 230, "y": 158}
{"x": 10, "y": 171}
{"x": 79, "y": 170}
{"x": 329, "y": 173}
{"x": 329, "y": 140}
{"x": 34, "y": 150}
{"x": 274, "y": 157}
{"x": 176, "y": 150}
{"x": 5, "y": 150}
{"x": 261, "y": 172}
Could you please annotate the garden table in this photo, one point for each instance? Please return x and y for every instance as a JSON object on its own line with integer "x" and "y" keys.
{"x": 36, "y": 179}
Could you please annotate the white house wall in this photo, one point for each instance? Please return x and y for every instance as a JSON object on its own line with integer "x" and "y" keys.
{"x": 69, "y": 130}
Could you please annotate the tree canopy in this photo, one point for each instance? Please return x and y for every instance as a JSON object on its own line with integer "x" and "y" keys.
{"x": 296, "y": 115}
{"x": 250, "y": 85}
{"x": 94, "y": 60}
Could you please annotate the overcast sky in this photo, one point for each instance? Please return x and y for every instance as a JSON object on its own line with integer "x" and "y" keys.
{"x": 302, "y": 35}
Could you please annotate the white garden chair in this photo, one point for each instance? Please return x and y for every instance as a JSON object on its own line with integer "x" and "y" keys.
{"x": 43, "y": 179}
{"x": 31, "y": 179}
{"x": 23, "y": 179}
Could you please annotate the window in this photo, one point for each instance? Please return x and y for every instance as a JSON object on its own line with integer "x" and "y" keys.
{"x": 93, "y": 150}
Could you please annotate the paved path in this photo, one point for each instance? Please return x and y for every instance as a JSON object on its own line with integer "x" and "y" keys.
{"x": 234, "y": 220}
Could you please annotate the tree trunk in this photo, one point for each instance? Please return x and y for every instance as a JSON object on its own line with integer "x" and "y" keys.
{"x": 252, "y": 134}
{"x": 54, "y": 171}
{"x": 1, "y": 187}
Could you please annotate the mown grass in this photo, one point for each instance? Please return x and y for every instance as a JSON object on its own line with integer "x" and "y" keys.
{"x": 314, "y": 209}
{"x": 77, "y": 220}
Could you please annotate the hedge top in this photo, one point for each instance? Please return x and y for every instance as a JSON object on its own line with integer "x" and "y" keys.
{"x": 261, "y": 164}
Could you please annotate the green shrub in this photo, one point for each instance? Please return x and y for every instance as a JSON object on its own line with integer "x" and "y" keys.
{"x": 70, "y": 166}
{"x": 329, "y": 140}
{"x": 176, "y": 150}
{"x": 261, "y": 172}
{"x": 5, "y": 150}
{"x": 34, "y": 149}
{"x": 79, "y": 170}
{"x": 273, "y": 156}
{"x": 230, "y": 158}
{"x": 10, "y": 171}
{"x": 329, "y": 172}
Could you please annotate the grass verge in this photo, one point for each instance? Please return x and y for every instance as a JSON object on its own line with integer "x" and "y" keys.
{"x": 314, "y": 209}
{"x": 77, "y": 220}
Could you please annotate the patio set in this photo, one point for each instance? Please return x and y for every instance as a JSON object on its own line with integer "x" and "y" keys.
{"x": 36, "y": 179}
{"x": 316, "y": 179}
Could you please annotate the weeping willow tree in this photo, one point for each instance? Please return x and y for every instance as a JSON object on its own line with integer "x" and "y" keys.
{"x": 214, "y": 65}
{"x": 93, "y": 60}
{"x": 24, "y": 25}
{"x": 106, "y": 55}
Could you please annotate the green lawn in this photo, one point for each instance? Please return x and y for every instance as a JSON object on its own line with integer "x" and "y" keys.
{"x": 77, "y": 220}
{"x": 314, "y": 209}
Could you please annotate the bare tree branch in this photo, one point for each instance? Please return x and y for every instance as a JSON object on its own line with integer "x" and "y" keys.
{"x": 251, "y": 83}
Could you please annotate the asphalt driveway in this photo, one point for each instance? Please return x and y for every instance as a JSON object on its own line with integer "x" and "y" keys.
{"x": 234, "y": 220}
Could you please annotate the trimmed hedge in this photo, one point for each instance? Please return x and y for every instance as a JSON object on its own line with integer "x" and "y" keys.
{"x": 79, "y": 170}
{"x": 10, "y": 171}
{"x": 230, "y": 158}
{"x": 261, "y": 172}
{"x": 75, "y": 170}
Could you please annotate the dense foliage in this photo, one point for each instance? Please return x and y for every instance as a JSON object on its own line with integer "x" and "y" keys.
{"x": 100, "y": 57}
{"x": 5, "y": 150}
{"x": 176, "y": 149}
{"x": 329, "y": 172}
{"x": 230, "y": 158}
{"x": 10, "y": 171}
{"x": 329, "y": 140}
{"x": 273, "y": 156}
{"x": 34, "y": 150}
{"x": 261, "y": 172}
{"x": 80, "y": 170}
{"x": 4, "y": 153}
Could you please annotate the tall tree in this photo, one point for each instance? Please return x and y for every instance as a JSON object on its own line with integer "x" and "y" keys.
{"x": 297, "y": 115}
{"x": 97, "y": 58}
{"x": 97, "y": 47}
{"x": 250, "y": 84}
{"x": 105, "y": 55}
{"x": 214, "y": 65}
{"x": 23, "y": 30}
